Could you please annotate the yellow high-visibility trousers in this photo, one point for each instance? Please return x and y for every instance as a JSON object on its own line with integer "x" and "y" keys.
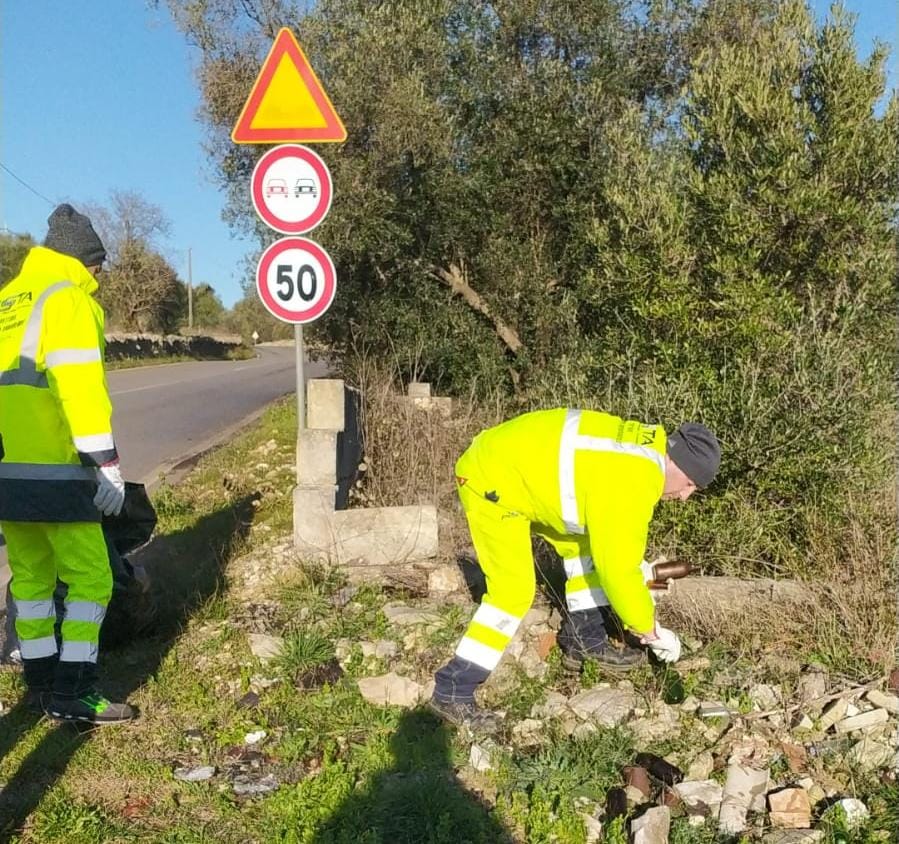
{"x": 41, "y": 552}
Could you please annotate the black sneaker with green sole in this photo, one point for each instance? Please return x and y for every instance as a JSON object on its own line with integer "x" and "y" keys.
{"x": 90, "y": 708}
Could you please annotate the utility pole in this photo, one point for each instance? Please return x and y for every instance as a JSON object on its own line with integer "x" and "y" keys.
{"x": 190, "y": 290}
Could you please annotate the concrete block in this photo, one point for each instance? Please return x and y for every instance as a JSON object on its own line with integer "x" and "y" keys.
{"x": 441, "y": 405}
{"x": 325, "y": 404}
{"x": 317, "y": 458}
{"x": 419, "y": 390}
{"x": 313, "y": 536}
{"x": 864, "y": 721}
{"x": 384, "y": 535}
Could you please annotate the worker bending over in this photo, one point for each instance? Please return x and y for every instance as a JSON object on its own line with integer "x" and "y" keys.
{"x": 587, "y": 482}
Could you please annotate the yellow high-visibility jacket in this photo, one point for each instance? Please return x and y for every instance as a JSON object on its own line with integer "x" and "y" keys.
{"x": 55, "y": 411}
{"x": 581, "y": 473}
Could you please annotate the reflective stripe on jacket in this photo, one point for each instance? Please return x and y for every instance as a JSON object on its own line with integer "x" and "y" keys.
{"x": 55, "y": 412}
{"x": 581, "y": 472}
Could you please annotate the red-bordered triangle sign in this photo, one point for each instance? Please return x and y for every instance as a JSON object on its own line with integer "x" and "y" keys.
{"x": 287, "y": 102}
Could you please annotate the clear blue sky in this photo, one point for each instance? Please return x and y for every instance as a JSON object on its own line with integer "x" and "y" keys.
{"x": 99, "y": 95}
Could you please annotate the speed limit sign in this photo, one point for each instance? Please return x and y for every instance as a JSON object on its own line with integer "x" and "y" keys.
{"x": 296, "y": 280}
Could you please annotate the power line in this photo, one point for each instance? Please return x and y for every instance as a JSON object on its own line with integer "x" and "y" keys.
{"x": 23, "y": 182}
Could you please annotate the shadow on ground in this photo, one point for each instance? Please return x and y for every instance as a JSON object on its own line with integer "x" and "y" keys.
{"x": 419, "y": 800}
{"x": 188, "y": 568}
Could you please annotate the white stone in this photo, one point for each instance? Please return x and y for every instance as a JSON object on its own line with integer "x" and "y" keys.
{"x": 870, "y": 754}
{"x": 882, "y": 700}
{"x": 701, "y": 767}
{"x": 765, "y": 697}
{"x": 652, "y": 826}
{"x": 863, "y": 721}
{"x": 479, "y": 758}
{"x": 606, "y": 707}
{"x": 811, "y": 687}
{"x": 742, "y": 786}
{"x": 385, "y": 648}
{"x": 700, "y": 797}
{"x": 554, "y": 705}
{"x": 403, "y": 616}
{"x": 529, "y": 732}
{"x": 265, "y": 647}
{"x": 194, "y": 774}
{"x": 444, "y": 580}
{"x": 833, "y": 712}
{"x": 391, "y": 690}
{"x": 592, "y": 828}
{"x": 794, "y": 836}
{"x": 255, "y": 737}
{"x": 855, "y": 811}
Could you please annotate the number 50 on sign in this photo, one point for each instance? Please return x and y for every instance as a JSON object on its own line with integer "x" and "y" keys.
{"x": 296, "y": 280}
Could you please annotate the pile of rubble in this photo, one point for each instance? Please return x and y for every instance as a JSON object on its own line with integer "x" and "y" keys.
{"x": 767, "y": 764}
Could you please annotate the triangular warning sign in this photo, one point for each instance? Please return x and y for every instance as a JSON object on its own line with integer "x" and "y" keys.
{"x": 287, "y": 102}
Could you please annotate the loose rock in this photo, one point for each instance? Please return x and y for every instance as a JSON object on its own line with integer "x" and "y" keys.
{"x": 265, "y": 647}
{"x": 194, "y": 774}
{"x": 790, "y": 808}
{"x": 652, "y": 826}
{"x": 479, "y": 758}
{"x": 742, "y": 786}
{"x": 391, "y": 690}
{"x": 883, "y": 701}
{"x": 606, "y": 707}
{"x": 403, "y": 616}
{"x": 701, "y": 797}
{"x": 863, "y": 721}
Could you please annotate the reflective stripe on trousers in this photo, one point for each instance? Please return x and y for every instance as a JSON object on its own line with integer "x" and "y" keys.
{"x": 487, "y": 636}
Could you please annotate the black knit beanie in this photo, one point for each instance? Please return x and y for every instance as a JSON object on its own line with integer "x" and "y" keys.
{"x": 72, "y": 234}
{"x": 696, "y": 452}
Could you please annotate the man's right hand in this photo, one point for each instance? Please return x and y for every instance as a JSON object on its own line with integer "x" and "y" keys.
{"x": 110, "y": 490}
{"x": 664, "y": 643}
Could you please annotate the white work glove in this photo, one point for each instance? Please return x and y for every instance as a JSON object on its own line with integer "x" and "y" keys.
{"x": 110, "y": 490}
{"x": 664, "y": 643}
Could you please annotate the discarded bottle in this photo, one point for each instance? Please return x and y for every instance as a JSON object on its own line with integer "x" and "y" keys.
{"x": 673, "y": 691}
{"x": 638, "y": 778}
{"x": 671, "y": 570}
{"x": 660, "y": 768}
{"x": 616, "y": 803}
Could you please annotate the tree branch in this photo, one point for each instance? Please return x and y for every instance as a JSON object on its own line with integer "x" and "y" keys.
{"x": 455, "y": 279}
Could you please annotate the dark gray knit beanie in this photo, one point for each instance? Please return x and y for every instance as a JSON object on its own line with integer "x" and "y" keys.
{"x": 695, "y": 450}
{"x": 72, "y": 234}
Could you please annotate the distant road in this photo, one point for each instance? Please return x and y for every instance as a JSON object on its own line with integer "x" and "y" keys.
{"x": 164, "y": 415}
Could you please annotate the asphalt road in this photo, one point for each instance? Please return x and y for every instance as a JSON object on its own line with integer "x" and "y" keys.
{"x": 165, "y": 415}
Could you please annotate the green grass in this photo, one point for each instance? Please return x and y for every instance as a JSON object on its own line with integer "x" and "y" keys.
{"x": 349, "y": 772}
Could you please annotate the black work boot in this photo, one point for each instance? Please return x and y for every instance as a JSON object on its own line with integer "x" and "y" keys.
{"x": 35, "y": 699}
{"x": 89, "y": 708}
{"x": 583, "y": 636}
{"x": 608, "y": 656}
{"x": 466, "y": 714}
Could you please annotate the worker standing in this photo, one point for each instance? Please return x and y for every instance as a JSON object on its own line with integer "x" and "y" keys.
{"x": 59, "y": 471}
{"x": 587, "y": 482}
